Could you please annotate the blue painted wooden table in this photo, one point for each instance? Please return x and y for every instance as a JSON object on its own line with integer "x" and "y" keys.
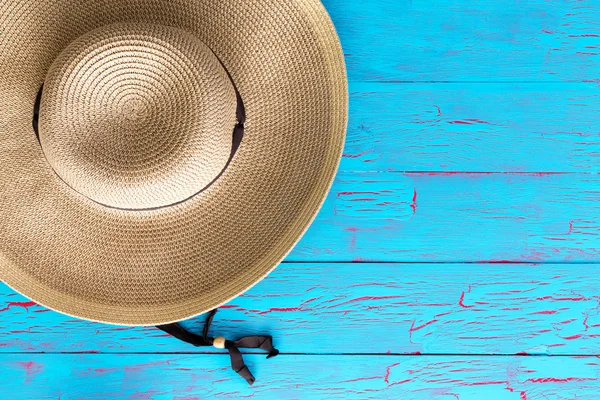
{"x": 457, "y": 256}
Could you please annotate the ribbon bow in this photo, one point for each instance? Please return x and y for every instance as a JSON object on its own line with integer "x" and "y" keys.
{"x": 237, "y": 361}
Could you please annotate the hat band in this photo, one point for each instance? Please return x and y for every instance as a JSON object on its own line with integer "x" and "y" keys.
{"x": 238, "y": 135}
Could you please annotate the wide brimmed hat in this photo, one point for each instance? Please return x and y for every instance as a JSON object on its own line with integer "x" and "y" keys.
{"x": 159, "y": 157}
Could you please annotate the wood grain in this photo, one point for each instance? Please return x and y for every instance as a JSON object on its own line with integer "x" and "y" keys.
{"x": 155, "y": 376}
{"x": 465, "y": 40}
{"x": 319, "y": 308}
{"x": 494, "y": 127}
{"x": 450, "y": 217}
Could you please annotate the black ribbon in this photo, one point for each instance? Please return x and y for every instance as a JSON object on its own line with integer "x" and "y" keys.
{"x": 237, "y": 361}
{"x": 238, "y": 134}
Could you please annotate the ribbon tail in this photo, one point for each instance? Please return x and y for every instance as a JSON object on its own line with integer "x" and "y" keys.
{"x": 258, "y": 342}
{"x": 237, "y": 362}
{"x": 250, "y": 342}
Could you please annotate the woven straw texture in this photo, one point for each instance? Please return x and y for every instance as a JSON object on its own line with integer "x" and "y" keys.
{"x": 112, "y": 214}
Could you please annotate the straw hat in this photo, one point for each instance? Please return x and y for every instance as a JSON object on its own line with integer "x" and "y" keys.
{"x": 159, "y": 157}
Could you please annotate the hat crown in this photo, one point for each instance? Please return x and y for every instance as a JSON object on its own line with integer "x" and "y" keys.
{"x": 137, "y": 116}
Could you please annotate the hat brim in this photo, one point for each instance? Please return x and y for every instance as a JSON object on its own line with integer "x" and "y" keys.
{"x": 152, "y": 267}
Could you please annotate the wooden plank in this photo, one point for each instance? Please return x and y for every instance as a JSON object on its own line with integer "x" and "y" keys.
{"x": 155, "y": 376}
{"x": 450, "y": 217}
{"x": 465, "y": 40}
{"x": 363, "y": 308}
{"x": 456, "y": 217}
{"x": 491, "y": 127}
